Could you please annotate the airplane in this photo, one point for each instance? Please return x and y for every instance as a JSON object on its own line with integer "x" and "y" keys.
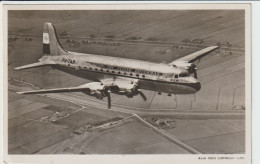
{"x": 116, "y": 75}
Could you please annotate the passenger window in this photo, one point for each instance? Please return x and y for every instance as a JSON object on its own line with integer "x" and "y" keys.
{"x": 176, "y": 76}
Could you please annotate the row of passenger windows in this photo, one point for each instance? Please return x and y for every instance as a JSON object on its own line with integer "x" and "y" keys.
{"x": 131, "y": 74}
{"x": 108, "y": 71}
{"x": 129, "y": 69}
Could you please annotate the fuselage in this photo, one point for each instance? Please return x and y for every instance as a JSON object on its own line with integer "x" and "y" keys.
{"x": 151, "y": 76}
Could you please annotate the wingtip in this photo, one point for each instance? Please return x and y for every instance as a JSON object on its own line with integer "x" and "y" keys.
{"x": 212, "y": 48}
{"x": 20, "y": 93}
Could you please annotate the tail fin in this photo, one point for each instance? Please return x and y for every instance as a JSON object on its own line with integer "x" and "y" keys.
{"x": 51, "y": 43}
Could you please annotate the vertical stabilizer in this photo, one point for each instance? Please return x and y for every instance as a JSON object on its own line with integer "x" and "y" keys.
{"x": 51, "y": 44}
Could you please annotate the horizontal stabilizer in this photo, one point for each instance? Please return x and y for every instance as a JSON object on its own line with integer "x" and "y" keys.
{"x": 38, "y": 64}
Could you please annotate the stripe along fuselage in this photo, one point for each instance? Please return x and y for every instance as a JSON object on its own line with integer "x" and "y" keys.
{"x": 151, "y": 76}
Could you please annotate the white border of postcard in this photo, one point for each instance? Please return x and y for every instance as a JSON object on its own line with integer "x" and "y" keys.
{"x": 119, "y": 159}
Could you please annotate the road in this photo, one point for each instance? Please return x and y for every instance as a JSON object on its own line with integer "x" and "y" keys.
{"x": 168, "y": 136}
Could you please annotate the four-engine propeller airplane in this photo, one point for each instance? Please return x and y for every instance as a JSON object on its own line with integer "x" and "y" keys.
{"x": 117, "y": 75}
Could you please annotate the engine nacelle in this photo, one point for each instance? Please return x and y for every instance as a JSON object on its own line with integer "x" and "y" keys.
{"x": 97, "y": 89}
{"x": 127, "y": 89}
{"x": 131, "y": 92}
{"x": 185, "y": 65}
{"x": 181, "y": 64}
{"x": 99, "y": 94}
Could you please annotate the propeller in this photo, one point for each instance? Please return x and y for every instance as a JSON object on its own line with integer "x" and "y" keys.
{"x": 193, "y": 69}
{"x": 142, "y": 94}
{"x": 107, "y": 92}
{"x": 136, "y": 91}
{"x": 195, "y": 74}
{"x": 108, "y": 101}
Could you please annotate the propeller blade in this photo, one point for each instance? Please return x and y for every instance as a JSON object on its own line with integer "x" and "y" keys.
{"x": 142, "y": 95}
{"x": 109, "y": 101}
{"x": 195, "y": 74}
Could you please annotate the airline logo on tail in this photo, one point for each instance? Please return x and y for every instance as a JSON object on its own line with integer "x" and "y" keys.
{"x": 45, "y": 38}
{"x": 46, "y": 43}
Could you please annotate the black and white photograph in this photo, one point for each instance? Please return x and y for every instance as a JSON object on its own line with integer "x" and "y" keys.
{"x": 127, "y": 81}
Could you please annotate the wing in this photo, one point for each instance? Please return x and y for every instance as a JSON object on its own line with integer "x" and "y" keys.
{"x": 94, "y": 86}
{"x": 57, "y": 90}
{"x": 196, "y": 55}
{"x": 121, "y": 86}
{"x": 118, "y": 81}
{"x": 96, "y": 89}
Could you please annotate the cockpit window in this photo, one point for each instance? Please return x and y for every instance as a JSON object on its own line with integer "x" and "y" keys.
{"x": 183, "y": 75}
{"x": 176, "y": 76}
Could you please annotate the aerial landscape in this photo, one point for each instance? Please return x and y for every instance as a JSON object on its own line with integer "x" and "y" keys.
{"x": 211, "y": 121}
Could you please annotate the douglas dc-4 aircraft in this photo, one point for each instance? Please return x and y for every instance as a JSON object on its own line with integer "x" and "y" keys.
{"x": 117, "y": 75}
